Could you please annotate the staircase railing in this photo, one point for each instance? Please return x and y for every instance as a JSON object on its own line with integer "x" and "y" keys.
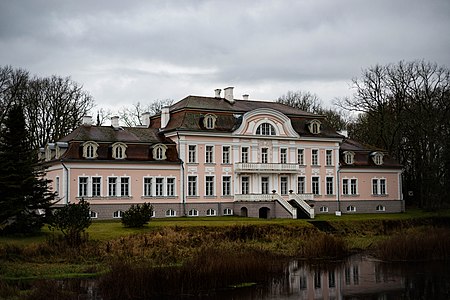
{"x": 292, "y": 210}
{"x": 300, "y": 200}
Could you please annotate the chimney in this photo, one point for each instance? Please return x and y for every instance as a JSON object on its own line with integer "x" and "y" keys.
{"x": 165, "y": 116}
{"x": 115, "y": 122}
{"x": 343, "y": 132}
{"x": 229, "y": 94}
{"x": 245, "y": 96}
{"x": 87, "y": 120}
{"x": 217, "y": 92}
{"x": 146, "y": 119}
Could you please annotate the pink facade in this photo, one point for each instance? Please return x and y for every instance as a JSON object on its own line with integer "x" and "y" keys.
{"x": 212, "y": 156}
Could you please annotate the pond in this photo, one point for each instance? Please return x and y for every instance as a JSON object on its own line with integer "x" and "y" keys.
{"x": 358, "y": 277}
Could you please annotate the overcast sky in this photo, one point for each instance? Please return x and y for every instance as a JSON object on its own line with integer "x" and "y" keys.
{"x": 123, "y": 52}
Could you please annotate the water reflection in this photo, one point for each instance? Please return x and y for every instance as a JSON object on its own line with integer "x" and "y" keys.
{"x": 358, "y": 277}
{"x": 361, "y": 277}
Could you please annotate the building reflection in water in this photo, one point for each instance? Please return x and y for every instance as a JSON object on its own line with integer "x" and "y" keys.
{"x": 356, "y": 277}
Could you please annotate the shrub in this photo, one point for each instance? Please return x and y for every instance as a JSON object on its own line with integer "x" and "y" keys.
{"x": 137, "y": 215}
{"x": 72, "y": 220}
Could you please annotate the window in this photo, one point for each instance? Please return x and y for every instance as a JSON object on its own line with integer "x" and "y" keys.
{"x": 283, "y": 155}
{"x": 301, "y": 156}
{"x": 90, "y": 149}
{"x": 192, "y": 185}
{"x": 377, "y": 158}
{"x": 349, "y": 186}
{"x": 96, "y": 186}
{"x": 315, "y": 185}
{"x": 314, "y": 157}
{"x": 264, "y": 185}
{"x": 380, "y": 208}
{"x": 226, "y": 154}
{"x": 355, "y": 275}
{"x": 329, "y": 185}
{"x": 93, "y": 214}
{"x": 159, "y": 187}
{"x": 82, "y": 186}
{"x": 209, "y": 186}
{"x": 284, "y": 185}
{"x": 245, "y": 184}
{"x": 209, "y": 154}
{"x": 193, "y": 213}
{"x": 317, "y": 280}
{"x": 147, "y": 187}
{"x": 301, "y": 185}
{"x": 159, "y": 152}
{"x": 351, "y": 208}
{"x": 331, "y": 279}
{"x": 265, "y": 129}
{"x": 171, "y": 213}
{"x": 118, "y": 150}
{"x": 314, "y": 126}
{"x": 117, "y": 214}
{"x": 379, "y": 186}
{"x": 264, "y": 155}
{"x": 210, "y": 212}
{"x": 349, "y": 157}
{"x": 57, "y": 185}
{"x": 323, "y": 209}
{"x": 125, "y": 186}
{"x": 192, "y": 154}
{"x": 112, "y": 186}
{"x": 329, "y": 157}
{"x": 170, "y": 186}
{"x": 227, "y": 212}
{"x": 226, "y": 185}
{"x": 209, "y": 121}
{"x": 244, "y": 155}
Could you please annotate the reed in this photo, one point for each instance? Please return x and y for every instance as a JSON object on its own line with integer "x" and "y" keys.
{"x": 419, "y": 244}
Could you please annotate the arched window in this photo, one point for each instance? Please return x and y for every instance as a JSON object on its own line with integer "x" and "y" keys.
{"x": 351, "y": 208}
{"x": 171, "y": 213}
{"x": 349, "y": 157}
{"x": 210, "y": 212}
{"x": 227, "y": 212}
{"x": 323, "y": 209}
{"x": 265, "y": 129}
{"x": 209, "y": 121}
{"x": 90, "y": 149}
{"x": 380, "y": 208}
{"x": 117, "y": 214}
{"x": 159, "y": 152}
{"x": 377, "y": 158}
{"x": 118, "y": 151}
{"x": 193, "y": 213}
{"x": 314, "y": 126}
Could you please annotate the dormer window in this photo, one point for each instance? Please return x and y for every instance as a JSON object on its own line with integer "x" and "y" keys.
{"x": 90, "y": 149}
{"x": 265, "y": 129}
{"x": 377, "y": 158}
{"x": 314, "y": 126}
{"x": 48, "y": 153}
{"x": 57, "y": 152}
{"x": 118, "y": 151}
{"x": 209, "y": 121}
{"x": 349, "y": 157}
{"x": 159, "y": 152}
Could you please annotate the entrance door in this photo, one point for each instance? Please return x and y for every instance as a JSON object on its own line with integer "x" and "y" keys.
{"x": 264, "y": 212}
{"x": 244, "y": 212}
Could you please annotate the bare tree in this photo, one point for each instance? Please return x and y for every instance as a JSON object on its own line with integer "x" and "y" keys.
{"x": 103, "y": 115}
{"x": 132, "y": 116}
{"x": 13, "y": 83}
{"x": 302, "y": 100}
{"x": 406, "y": 109}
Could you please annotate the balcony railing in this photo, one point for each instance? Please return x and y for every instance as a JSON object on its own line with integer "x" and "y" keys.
{"x": 266, "y": 168}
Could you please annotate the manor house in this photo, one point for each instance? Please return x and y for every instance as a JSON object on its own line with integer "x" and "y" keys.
{"x": 218, "y": 156}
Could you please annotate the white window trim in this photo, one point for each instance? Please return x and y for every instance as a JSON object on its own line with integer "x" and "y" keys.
{"x": 229, "y": 212}
{"x": 323, "y": 209}
{"x": 93, "y": 214}
{"x": 332, "y": 187}
{"x": 195, "y": 154}
{"x": 212, "y": 154}
{"x": 349, "y": 185}
{"x": 351, "y": 208}
{"x": 94, "y": 147}
{"x": 270, "y": 122}
{"x": 311, "y": 126}
{"x": 379, "y": 186}
{"x": 152, "y": 194}
{"x": 303, "y": 156}
{"x": 119, "y": 186}
{"x": 195, "y": 212}
{"x": 120, "y": 214}
{"x": 174, "y": 186}
{"x": 170, "y": 215}
{"x": 349, "y": 157}
{"x": 214, "y": 212}
{"x": 161, "y": 147}
{"x": 318, "y": 157}
{"x": 163, "y": 192}
{"x": 129, "y": 186}
{"x": 87, "y": 186}
{"x": 214, "y": 186}
{"x": 304, "y": 184}
{"x": 196, "y": 186}
{"x": 287, "y": 155}
{"x": 383, "y": 208}
{"x": 231, "y": 186}
{"x": 230, "y": 159}
{"x": 326, "y": 157}
{"x": 377, "y": 158}
{"x": 312, "y": 191}
{"x": 92, "y": 183}
{"x": 213, "y": 119}
{"x": 121, "y": 145}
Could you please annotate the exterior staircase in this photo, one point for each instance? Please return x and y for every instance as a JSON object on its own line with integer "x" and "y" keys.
{"x": 300, "y": 199}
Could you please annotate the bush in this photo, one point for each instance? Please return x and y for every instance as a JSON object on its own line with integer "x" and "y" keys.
{"x": 72, "y": 220}
{"x": 137, "y": 215}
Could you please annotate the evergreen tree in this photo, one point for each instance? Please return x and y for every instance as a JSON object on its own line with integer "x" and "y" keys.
{"x": 24, "y": 194}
